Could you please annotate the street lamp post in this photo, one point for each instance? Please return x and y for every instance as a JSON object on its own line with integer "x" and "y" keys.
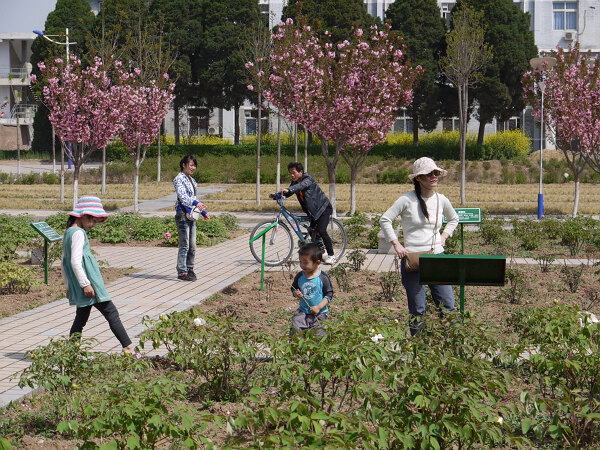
{"x": 543, "y": 63}
{"x": 66, "y": 44}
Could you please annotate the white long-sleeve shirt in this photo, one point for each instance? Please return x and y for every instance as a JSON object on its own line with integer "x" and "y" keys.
{"x": 419, "y": 233}
{"x": 77, "y": 242}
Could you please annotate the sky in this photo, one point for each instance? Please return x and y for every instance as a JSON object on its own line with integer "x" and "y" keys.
{"x": 20, "y": 16}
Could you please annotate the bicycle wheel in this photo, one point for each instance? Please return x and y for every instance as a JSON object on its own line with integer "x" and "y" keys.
{"x": 336, "y": 232}
{"x": 278, "y": 243}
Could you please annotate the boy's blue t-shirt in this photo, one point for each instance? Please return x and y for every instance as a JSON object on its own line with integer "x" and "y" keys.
{"x": 314, "y": 290}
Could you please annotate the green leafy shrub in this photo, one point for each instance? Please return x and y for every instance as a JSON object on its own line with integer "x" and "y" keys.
{"x": 342, "y": 276}
{"x": 134, "y": 413}
{"x": 529, "y": 232}
{"x": 508, "y": 144}
{"x": 399, "y": 176}
{"x": 517, "y": 286}
{"x": 577, "y": 232}
{"x": 492, "y": 230}
{"x": 564, "y": 368}
{"x": 357, "y": 258}
{"x": 15, "y": 278}
{"x": 221, "y": 356}
{"x": 15, "y": 231}
{"x": 229, "y": 220}
{"x": 552, "y": 227}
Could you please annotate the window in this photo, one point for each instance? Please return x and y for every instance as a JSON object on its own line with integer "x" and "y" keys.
{"x": 198, "y": 121}
{"x": 450, "y": 124}
{"x": 565, "y": 15}
{"x": 513, "y": 123}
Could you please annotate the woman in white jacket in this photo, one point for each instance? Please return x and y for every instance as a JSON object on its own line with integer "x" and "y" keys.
{"x": 421, "y": 228}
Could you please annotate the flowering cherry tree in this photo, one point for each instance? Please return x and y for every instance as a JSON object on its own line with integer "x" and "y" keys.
{"x": 571, "y": 108}
{"x": 85, "y": 107}
{"x": 144, "y": 108}
{"x": 346, "y": 94}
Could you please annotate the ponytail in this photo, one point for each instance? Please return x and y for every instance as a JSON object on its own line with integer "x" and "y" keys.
{"x": 70, "y": 221}
{"x": 421, "y": 201}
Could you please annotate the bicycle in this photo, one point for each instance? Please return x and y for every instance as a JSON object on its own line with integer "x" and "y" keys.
{"x": 280, "y": 241}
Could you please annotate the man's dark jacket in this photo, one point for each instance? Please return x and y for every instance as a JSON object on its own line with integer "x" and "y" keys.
{"x": 310, "y": 196}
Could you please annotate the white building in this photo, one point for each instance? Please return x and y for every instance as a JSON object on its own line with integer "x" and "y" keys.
{"x": 17, "y": 22}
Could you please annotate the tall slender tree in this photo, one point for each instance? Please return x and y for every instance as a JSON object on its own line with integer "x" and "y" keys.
{"x": 420, "y": 23}
{"x": 223, "y": 78}
{"x": 466, "y": 55}
{"x": 507, "y": 29}
{"x": 571, "y": 108}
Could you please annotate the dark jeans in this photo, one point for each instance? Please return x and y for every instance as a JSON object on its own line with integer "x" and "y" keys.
{"x": 186, "y": 231}
{"x": 443, "y": 298}
{"x": 110, "y": 313}
{"x": 321, "y": 226}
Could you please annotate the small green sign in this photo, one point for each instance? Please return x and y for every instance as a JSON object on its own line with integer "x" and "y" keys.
{"x": 47, "y": 232}
{"x": 467, "y": 215}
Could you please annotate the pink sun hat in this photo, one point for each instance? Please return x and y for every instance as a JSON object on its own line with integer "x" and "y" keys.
{"x": 424, "y": 166}
{"x": 92, "y": 206}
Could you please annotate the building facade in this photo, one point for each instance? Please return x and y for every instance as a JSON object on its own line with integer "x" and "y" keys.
{"x": 17, "y": 22}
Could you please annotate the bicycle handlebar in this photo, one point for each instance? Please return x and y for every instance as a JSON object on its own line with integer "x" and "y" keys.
{"x": 279, "y": 198}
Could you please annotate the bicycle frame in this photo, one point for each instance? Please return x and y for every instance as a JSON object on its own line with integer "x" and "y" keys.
{"x": 294, "y": 221}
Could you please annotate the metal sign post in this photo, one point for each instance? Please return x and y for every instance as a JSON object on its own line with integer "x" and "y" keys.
{"x": 262, "y": 258}
{"x": 49, "y": 235}
{"x": 464, "y": 270}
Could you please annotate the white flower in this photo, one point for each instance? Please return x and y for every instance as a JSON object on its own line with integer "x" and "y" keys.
{"x": 500, "y": 420}
{"x": 199, "y": 321}
{"x": 566, "y": 175}
{"x": 395, "y": 320}
{"x": 377, "y": 338}
{"x": 587, "y": 318}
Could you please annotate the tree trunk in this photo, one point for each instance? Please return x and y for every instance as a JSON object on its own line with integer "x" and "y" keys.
{"x": 103, "y": 188}
{"x": 136, "y": 183}
{"x": 158, "y": 162}
{"x": 258, "y": 137}
{"x": 576, "y": 202}
{"x": 355, "y": 160}
{"x": 62, "y": 171}
{"x": 463, "y": 102}
{"x": 295, "y": 142}
{"x": 236, "y": 125}
{"x": 331, "y": 164}
{"x": 481, "y": 133}
{"x": 278, "y": 176}
{"x": 305, "y": 150}
{"x": 176, "y": 117}
{"x": 53, "y": 151}
{"x": 76, "y": 169}
{"x": 415, "y": 131}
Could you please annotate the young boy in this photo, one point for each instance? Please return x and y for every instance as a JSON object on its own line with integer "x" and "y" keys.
{"x": 313, "y": 289}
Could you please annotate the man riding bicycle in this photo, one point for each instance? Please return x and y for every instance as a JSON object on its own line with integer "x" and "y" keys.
{"x": 314, "y": 203}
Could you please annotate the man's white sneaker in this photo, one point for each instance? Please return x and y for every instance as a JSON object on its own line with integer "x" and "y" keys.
{"x": 329, "y": 259}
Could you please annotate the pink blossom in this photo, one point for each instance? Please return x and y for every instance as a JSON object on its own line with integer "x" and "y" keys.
{"x": 250, "y": 87}
{"x": 130, "y": 230}
{"x": 33, "y": 78}
{"x": 167, "y": 235}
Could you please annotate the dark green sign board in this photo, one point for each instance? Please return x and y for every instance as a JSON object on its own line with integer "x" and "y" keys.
{"x": 50, "y": 235}
{"x": 47, "y": 232}
{"x": 467, "y": 215}
{"x": 463, "y": 270}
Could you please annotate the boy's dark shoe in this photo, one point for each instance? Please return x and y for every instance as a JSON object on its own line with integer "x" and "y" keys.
{"x": 191, "y": 275}
{"x": 184, "y": 277}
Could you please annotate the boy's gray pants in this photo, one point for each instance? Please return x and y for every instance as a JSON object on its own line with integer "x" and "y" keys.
{"x": 302, "y": 321}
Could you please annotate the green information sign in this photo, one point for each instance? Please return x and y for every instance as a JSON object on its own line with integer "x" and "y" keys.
{"x": 462, "y": 270}
{"x": 467, "y": 215}
{"x": 47, "y": 232}
{"x": 50, "y": 235}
